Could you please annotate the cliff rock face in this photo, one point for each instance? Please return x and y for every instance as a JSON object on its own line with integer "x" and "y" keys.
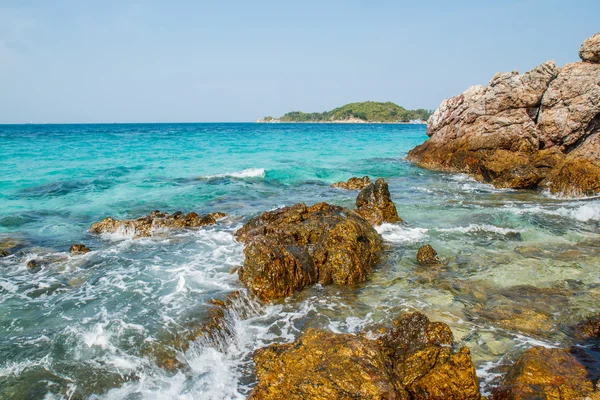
{"x": 412, "y": 360}
{"x": 294, "y": 247}
{"x": 538, "y": 129}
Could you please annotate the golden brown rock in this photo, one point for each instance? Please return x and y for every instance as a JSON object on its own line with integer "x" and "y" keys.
{"x": 411, "y": 361}
{"x": 575, "y": 177}
{"x": 156, "y": 221}
{"x": 545, "y": 374}
{"x": 294, "y": 247}
{"x": 79, "y": 248}
{"x": 589, "y": 329}
{"x": 323, "y": 365}
{"x": 375, "y": 205}
{"x": 353, "y": 183}
{"x": 427, "y": 255}
{"x": 3, "y": 253}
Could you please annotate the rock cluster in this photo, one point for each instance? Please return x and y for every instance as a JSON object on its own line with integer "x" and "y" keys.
{"x": 353, "y": 183}
{"x": 156, "y": 221}
{"x": 294, "y": 247}
{"x": 412, "y": 360}
{"x": 538, "y": 129}
{"x": 375, "y": 205}
{"x": 543, "y": 373}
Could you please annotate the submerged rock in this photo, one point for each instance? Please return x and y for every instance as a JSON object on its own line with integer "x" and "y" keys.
{"x": 589, "y": 329}
{"x": 79, "y": 248}
{"x": 538, "y": 129}
{"x": 412, "y": 360}
{"x": 294, "y": 247}
{"x": 427, "y": 255}
{"x": 375, "y": 205}
{"x": 154, "y": 222}
{"x": 543, "y": 373}
{"x": 353, "y": 183}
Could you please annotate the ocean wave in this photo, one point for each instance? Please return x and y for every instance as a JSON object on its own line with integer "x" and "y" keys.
{"x": 244, "y": 174}
{"x": 400, "y": 234}
{"x": 584, "y": 213}
{"x": 471, "y": 228}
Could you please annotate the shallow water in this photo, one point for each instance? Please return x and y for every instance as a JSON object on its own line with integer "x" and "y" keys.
{"x": 519, "y": 267}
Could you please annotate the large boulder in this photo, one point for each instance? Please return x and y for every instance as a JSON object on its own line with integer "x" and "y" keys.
{"x": 590, "y": 49}
{"x": 353, "y": 183}
{"x": 375, "y": 205}
{"x": 294, "y": 247}
{"x": 323, "y": 365}
{"x": 412, "y": 360}
{"x": 154, "y": 222}
{"x": 546, "y": 374}
{"x": 538, "y": 129}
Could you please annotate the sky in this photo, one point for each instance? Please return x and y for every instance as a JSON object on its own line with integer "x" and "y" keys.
{"x": 195, "y": 61}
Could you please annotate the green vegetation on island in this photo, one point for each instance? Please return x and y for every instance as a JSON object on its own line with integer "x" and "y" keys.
{"x": 368, "y": 111}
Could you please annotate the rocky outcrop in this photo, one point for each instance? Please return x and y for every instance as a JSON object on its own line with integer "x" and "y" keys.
{"x": 353, "y": 183}
{"x": 547, "y": 374}
{"x": 535, "y": 130}
{"x": 427, "y": 255}
{"x": 154, "y": 222}
{"x": 294, "y": 247}
{"x": 79, "y": 248}
{"x": 4, "y": 253}
{"x": 375, "y": 205}
{"x": 590, "y": 49}
{"x": 412, "y": 360}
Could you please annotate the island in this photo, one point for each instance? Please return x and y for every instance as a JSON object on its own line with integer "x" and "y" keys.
{"x": 362, "y": 112}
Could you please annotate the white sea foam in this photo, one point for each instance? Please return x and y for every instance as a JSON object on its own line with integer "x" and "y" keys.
{"x": 400, "y": 233}
{"x": 584, "y": 212}
{"x": 247, "y": 173}
{"x": 481, "y": 228}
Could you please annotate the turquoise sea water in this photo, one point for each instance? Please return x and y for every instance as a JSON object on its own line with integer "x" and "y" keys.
{"x": 80, "y": 326}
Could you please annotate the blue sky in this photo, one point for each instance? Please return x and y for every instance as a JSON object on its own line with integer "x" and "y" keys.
{"x": 127, "y": 61}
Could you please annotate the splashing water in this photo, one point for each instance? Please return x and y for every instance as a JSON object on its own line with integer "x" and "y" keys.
{"x": 89, "y": 326}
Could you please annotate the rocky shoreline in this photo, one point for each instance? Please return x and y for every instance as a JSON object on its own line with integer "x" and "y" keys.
{"x": 291, "y": 248}
{"x": 538, "y": 130}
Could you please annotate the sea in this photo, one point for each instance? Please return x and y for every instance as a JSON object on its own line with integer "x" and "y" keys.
{"x": 519, "y": 268}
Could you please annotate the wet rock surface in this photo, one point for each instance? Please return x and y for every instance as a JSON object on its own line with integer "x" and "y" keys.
{"x": 535, "y": 130}
{"x": 294, "y": 247}
{"x": 411, "y": 360}
{"x": 543, "y": 373}
{"x": 353, "y": 183}
{"x": 427, "y": 255}
{"x": 154, "y": 222}
{"x": 79, "y": 248}
{"x": 375, "y": 204}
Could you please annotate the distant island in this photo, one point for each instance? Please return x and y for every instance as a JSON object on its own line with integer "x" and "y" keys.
{"x": 363, "y": 112}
